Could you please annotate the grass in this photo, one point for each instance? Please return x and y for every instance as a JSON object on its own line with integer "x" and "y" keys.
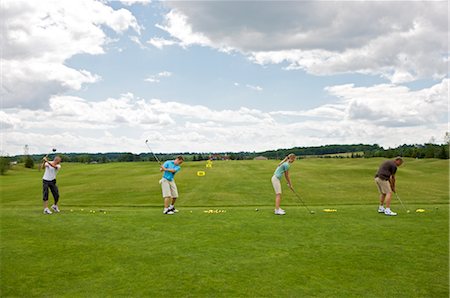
{"x": 133, "y": 250}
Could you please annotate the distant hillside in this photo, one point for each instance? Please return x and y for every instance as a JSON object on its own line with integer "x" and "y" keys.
{"x": 326, "y": 151}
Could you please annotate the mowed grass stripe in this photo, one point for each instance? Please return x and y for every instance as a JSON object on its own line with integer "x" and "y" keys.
{"x": 230, "y": 183}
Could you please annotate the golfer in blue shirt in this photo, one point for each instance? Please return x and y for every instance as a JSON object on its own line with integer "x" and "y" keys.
{"x": 168, "y": 186}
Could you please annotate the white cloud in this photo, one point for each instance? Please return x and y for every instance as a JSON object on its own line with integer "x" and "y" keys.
{"x": 37, "y": 40}
{"x": 177, "y": 26}
{"x": 137, "y": 41}
{"x": 160, "y": 43}
{"x": 132, "y": 2}
{"x": 386, "y": 114}
{"x": 400, "y": 41}
{"x": 254, "y": 87}
{"x": 157, "y": 78}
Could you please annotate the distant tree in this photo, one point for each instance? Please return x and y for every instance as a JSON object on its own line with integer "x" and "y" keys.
{"x": 29, "y": 162}
{"x": 429, "y": 151}
{"x": 4, "y": 164}
{"x": 85, "y": 158}
{"x": 447, "y": 138}
{"x": 443, "y": 152}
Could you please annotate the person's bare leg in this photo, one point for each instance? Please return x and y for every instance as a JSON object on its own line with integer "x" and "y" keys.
{"x": 167, "y": 202}
{"x": 45, "y": 204}
{"x": 277, "y": 201}
{"x": 173, "y": 201}
{"x": 382, "y": 197}
{"x": 388, "y": 200}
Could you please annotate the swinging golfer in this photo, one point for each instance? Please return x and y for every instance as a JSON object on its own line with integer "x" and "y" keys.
{"x": 49, "y": 181}
{"x": 385, "y": 181}
{"x": 168, "y": 186}
{"x": 283, "y": 168}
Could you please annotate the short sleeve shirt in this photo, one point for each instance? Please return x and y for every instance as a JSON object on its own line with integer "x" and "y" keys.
{"x": 170, "y": 164}
{"x": 281, "y": 169}
{"x": 386, "y": 170}
{"x": 50, "y": 172}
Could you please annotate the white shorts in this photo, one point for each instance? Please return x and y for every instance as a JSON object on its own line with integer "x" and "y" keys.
{"x": 169, "y": 188}
{"x": 276, "y": 184}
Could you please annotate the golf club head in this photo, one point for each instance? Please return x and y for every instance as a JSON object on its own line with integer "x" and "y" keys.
{"x": 54, "y": 149}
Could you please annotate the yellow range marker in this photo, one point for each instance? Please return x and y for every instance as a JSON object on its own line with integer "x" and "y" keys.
{"x": 201, "y": 173}
{"x": 329, "y": 210}
{"x": 420, "y": 210}
{"x": 214, "y": 211}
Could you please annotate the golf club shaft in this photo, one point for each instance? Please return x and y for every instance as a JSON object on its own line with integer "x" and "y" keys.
{"x": 41, "y": 165}
{"x": 154, "y": 155}
{"x": 300, "y": 199}
{"x": 398, "y": 198}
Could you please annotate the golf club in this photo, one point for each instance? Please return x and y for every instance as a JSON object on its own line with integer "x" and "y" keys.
{"x": 398, "y": 198}
{"x": 300, "y": 199}
{"x": 146, "y": 142}
{"x": 46, "y": 156}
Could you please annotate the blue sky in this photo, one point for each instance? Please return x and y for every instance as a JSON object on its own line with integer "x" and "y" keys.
{"x": 95, "y": 76}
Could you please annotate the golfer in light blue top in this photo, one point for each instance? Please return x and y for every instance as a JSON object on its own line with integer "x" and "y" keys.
{"x": 168, "y": 186}
{"x": 283, "y": 168}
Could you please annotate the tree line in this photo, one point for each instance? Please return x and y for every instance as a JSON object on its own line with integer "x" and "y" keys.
{"x": 327, "y": 151}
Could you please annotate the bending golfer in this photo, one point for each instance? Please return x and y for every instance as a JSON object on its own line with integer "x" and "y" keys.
{"x": 49, "y": 181}
{"x": 385, "y": 181}
{"x": 283, "y": 168}
{"x": 168, "y": 186}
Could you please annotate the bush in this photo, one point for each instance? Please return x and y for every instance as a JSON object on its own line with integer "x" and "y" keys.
{"x": 29, "y": 162}
{"x": 4, "y": 164}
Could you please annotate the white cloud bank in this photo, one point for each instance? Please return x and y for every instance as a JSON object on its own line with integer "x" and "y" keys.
{"x": 37, "y": 38}
{"x": 157, "y": 78}
{"x": 401, "y": 41}
{"x": 385, "y": 114}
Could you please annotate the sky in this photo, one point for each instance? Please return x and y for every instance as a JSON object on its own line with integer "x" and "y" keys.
{"x": 202, "y": 76}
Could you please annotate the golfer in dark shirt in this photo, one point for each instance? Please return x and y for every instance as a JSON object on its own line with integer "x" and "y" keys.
{"x": 385, "y": 181}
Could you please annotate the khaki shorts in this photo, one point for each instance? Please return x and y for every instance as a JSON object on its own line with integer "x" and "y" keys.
{"x": 169, "y": 188}
{"x": 384, "y": 187}
{"x": 276, "y": 184}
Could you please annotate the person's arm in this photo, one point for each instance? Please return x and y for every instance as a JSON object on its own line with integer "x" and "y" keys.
{"x": 288, "y": 179}
{"x": 392, "y": 182}
{"x": 52, "y": 165}
{"x": 164, "y": 169}
{"x": 44, "y": 160}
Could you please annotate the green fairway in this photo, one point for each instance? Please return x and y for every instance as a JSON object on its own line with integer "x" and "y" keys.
{"x": 134, "y": 250}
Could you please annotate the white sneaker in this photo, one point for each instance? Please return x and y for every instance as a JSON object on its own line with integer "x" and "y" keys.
{"x": 55, "y": 208}
{"x": 173, "y": 209}
{"x": 381, "y": 209}
{"x": 279, "y": 212}
{"x": 389, "y": 212}
{"x": 47, "y": 211}
{"x": 168, "y": 212}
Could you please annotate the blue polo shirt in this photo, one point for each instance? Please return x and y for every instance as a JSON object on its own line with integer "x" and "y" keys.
{"x": 281, "y": 169}
{"x": 170, "y": 164}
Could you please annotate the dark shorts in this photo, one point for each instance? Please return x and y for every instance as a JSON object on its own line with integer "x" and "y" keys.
{"x": 53, "y": 188}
